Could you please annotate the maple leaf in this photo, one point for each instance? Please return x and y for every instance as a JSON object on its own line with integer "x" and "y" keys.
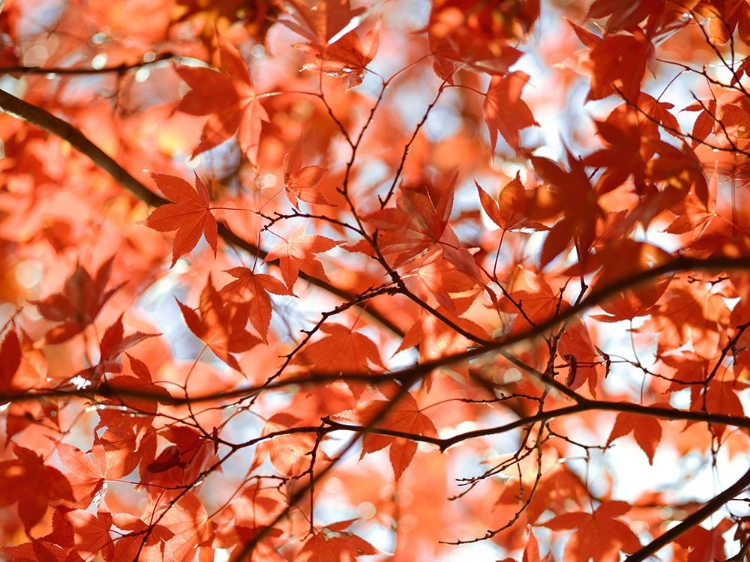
{"x": 131, "y": 543}
{"x": 504, "y": 110}
{"x": 297, "y": 253}
{"x": 598, "y": 535}
{"x": 721, "y": 397}
{"x": 85, "y": 473}
{"x": 26, "y": 480}
{"x": 183, "y": 461}
{"x": 531, "y": 552}
{"x": 189, "y": 214}
{"x": 464, "y": 34}
{"x": 679, "y": 168}
{"x": 508, "y": 211}
{"x": 332, "y": 544}
{"x": 324, "y": 23}
{"x": 228, "y": 97}
{"x": 624, "y": 154}
{"x": 706, "y": 122}
{"x": 288, "y": 453}
{"x": 91, "y": 531}
{"x": 580, "y": 208}
{"x": 704, "y": 544}
{"x": 255, "y": 288}
{"x": 342, "y": 350}
{"x": 299, "y": 180}
{"x": 646, "y": 431}
{"x": 10, "y": 360}
{"x": 414, "y": 226}
{"x": 347, "y": 56}
{"x": 79, "y": 304}
{"x": 221, "y": 325}
{"x": 405, "y": 416}
{"x": 632, "y": 303}
{"x": 114, "y": 343}
{"x": 622, "y": 15}
{"x": 537, "y": 303}
{"x": 660, "y": 112}
{"x": 617, "y": 62}
{"x": 154, "y": 393}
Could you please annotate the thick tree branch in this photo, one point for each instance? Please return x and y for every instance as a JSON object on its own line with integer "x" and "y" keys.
{"x": 692, "y": 520}
{"x": 119, "y": 69}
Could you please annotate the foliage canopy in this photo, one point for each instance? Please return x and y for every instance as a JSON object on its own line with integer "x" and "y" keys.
{"x": 323, "y": 280}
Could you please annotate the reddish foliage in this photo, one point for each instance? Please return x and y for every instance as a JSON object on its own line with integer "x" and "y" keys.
{"x": 403, "y": 278}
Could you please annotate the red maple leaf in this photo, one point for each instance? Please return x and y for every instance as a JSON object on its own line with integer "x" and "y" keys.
{"x": 704, "y": 544}
{"x": 326, "y": 21}
{"x": 646, "y": 431}
{"x": 464, "y": 34}
{"x": 85, "y": 473}
{"x": 581, "y": 210}
{"x": 404, "y": 416}
{"x": 228, "y": 97}
{"x": 598, "y": 535}
{"x": 414, "y": 226}
{"x": 504, "y": 110}
{"x": 297, "y": 253}
{"x": 142, "y": 383}
{"x": 617, "y": 63}
{"x": 342, "y": 350}
{"x": 509, "y": 210}
{"x": 91, "y": 531}
{"x": 136, "y": 543}
{"x": 220, "y": 325}
{"x": 32, "y": 484}
{"x": 10, "y": 360}
{"x": 79, "y": 304}
{"x": 254, "y": 288}
{"x": 289, "y": 454}
{"x": 300, "y": 180}
{"x": 189, "y": 214}
{"x": 679, "y": 168}
{"x": 347, "y": 56}
{"x": 583, "y": 360}
{"x": 332, "y": 544}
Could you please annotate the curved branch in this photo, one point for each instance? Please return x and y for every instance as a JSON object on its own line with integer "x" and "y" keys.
{"x": 692, "y": 520}
{"x": 119, "y": 69}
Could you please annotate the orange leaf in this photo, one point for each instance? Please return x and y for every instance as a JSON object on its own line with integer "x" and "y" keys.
{"x": 221, "y": 325}
{"x": 406, "y": 417}
{"x": 299, "y": 180}
{"x": 508, "y": 211}
{"x": 85, "y": 473}
{"x": 91, "y": 532}
{"x": 28, "y": 481}
{"x": 255, "y": 288}
{"x": 189, "y": 214}
{"x": 619, "y": 62}
{"x": 332, "y": 545}
{"x": 10, "y": 360}
{"x": 228, "y": 97}
{"x": 414, "y": 226}
{"x": 531, "y": 552}
{"x": 646, "y": 431}
{"x": 297, "y": 253}
{"x": 347, "y": 56}
{"x": 79, "y": 304}
{"x": 504, "y": 110}
{"x": 598, "y": 535}
{"x": 342, "y": 350}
